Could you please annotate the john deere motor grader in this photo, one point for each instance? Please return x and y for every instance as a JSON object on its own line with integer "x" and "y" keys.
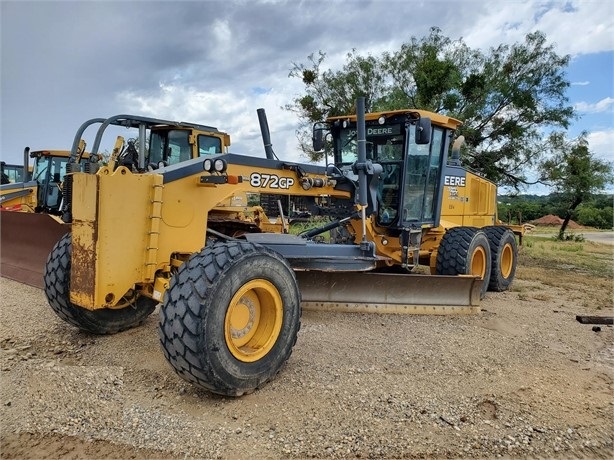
{"x": 231, "y": 307}
{"x": 41, "y": 191}
{"x": 27, "y": 230}
{"x": 30, "y": 223}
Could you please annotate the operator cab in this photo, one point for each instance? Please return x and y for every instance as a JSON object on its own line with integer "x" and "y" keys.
{"x": 411, "y": 153}
{"x": 48, "y": 172}
{"x": 172, "y": 146}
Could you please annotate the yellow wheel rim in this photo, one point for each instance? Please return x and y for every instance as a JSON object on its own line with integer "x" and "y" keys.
{"x": 253, "y": 320}
{"x": 478, "y": 262}
{"x": 507, "y": 260}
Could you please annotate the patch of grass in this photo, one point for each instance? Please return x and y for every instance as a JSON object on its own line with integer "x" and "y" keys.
{"x": 574, "y": 247}
{"x": 584, "y": 270}
{"x": 594, "y": 258}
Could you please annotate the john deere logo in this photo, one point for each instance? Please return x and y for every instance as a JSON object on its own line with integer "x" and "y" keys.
{"x": 454, "y": 181}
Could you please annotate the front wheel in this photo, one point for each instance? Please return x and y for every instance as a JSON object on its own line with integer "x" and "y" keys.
{"x": 465, "y": 251}
{"x": 230, "y": 317}
{"x": 102, "y": 321}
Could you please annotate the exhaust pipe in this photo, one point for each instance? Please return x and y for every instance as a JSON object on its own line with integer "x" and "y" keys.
{"x": 26, "y": 163}
{"x": 455, "y": 157}
{"x": 361, "y": 166}
{"x": 266, "y": 135}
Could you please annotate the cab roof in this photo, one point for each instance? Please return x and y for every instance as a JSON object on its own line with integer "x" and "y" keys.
{"x": 436, "y": 118}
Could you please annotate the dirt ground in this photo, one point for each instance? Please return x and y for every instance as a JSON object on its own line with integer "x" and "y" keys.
{"x": 522, "y": 378}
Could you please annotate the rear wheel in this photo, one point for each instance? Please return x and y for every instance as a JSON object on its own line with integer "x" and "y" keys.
{"x": 465, "y": 251}
{"x": 230, "y": 317}
{"x": 504, "y": 257}
{"x": 56, "y": 277}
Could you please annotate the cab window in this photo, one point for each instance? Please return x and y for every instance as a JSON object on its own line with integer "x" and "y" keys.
{"x": 208, "y": 145}
{"x": 178, "y": 146}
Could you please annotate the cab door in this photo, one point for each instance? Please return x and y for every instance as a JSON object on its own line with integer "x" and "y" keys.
{"x": 422, "y": 180}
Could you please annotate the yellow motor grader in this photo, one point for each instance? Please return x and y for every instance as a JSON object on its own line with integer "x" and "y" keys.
{"x": 12, "y": 173}
{"x": 27, "y": 230}
{"x": 29, "y": 211}
{"x": 231, "y": 304}
{"x": 41, "y": 191}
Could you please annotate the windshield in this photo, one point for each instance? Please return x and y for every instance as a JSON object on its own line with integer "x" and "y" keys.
{"x": 49, "y": 172}
{"x": 384, "y": 143}
{"x": 41, "y": 166}
{"x": 171, "y": 146}
{"x": 12, "y": 173}
{"x": 408, "y": 186}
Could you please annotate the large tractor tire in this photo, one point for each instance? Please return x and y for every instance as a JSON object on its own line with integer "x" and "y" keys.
{"x": 465, "y": 251}
{"x": 230, "y": 317}
{"x": 504, "y": 257}
{"x": 56, "y": 277}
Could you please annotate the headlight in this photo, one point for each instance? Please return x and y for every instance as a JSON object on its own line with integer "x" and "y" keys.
{"x": 219, "y": 165}
{"x": 207, "y": 165}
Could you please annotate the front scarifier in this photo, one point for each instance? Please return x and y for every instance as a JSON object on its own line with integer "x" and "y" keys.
{"x": 230, "y": 317}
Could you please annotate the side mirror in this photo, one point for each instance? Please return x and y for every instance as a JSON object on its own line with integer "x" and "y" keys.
{"x": 318, "y": 137}
{"x": 423, "y": 130}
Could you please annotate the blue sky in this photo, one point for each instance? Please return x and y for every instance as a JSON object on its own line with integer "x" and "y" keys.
{"x": 217, "y": 62}
{"x": 591, "y": 76}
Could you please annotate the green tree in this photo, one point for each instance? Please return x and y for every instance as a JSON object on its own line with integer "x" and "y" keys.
{"x": 329, "y": 93}
{"x": 574, "y": 172}
{"x": 591, "y": 216}
{"x": 505, "y": 96}
{"x": 519, "y": 209}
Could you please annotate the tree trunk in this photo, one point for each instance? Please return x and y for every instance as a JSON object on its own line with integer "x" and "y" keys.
{"x": 570, "y": 211}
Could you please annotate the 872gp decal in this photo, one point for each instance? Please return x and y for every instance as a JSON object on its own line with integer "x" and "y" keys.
{"x": 270, "y": 181}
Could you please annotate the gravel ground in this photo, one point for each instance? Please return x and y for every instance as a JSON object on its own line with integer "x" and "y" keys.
{"x": 522, "y": 378}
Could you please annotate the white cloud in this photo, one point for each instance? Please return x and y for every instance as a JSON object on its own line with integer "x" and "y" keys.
{"x": 593, "y": 20}
{"x": 233, "y": 112}
{"x": 221, "y": 34}
{"x": 580, "y": 83}
{"x": 601, "y": 143}
{"x": 604, "y": 105}
{"x": 509, "y": 22}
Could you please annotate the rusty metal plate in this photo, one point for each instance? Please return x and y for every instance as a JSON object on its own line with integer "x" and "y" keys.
{"x": 26, "y": 239}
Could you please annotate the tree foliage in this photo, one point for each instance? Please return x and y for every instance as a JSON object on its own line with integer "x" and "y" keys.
{"x": 596, "y": 211}
{"x": 505, "y": 96}
{"x": 574, "y": 172}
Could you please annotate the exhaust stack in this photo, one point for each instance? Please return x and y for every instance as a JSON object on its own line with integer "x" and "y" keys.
{"x": 266, "y": 135}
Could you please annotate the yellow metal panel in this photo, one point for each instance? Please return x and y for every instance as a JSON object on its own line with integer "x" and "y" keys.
{"x": 472, "y": 204}
{"x": 123, "y": 225}
{"x": 84, "y": 234}
{"x": 84, "y": 201}
{"x": 111, "y": 216}
{"x": 453, "y": 204}
{"x": 184, "y": 216}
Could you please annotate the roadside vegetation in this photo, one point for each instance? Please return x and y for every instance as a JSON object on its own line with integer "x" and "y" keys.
{"x": 597, "y": 211}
